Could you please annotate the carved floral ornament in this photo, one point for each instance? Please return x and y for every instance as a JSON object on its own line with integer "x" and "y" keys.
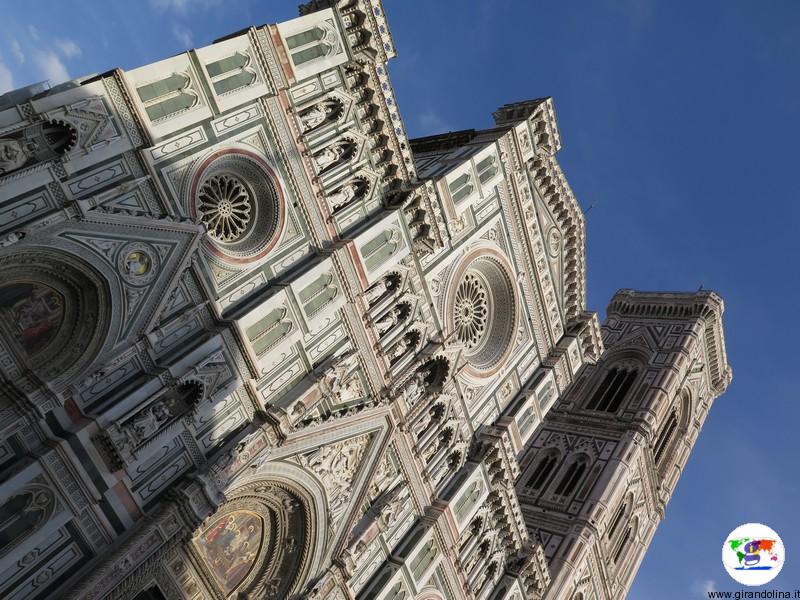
{"x": 236, "y": 195}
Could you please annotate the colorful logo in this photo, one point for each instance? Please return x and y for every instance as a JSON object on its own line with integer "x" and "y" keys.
{"x": 753, "y": 554}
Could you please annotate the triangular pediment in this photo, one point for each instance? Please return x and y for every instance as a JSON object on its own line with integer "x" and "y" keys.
{"x": 142, "y": 263}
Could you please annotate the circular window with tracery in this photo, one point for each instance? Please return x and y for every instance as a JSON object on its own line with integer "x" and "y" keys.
{"x": 236, "y": 196}
{"x": 224, "y": 207}
{"x": 471, "y": 310}
{"x": 482, "y": 310}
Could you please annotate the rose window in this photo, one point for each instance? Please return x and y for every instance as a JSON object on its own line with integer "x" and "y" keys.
{"x": 471, "y": 310}
{"x": 224, "y": 207}
{"x": 482, "y": 311}
{"x": 237, "y": 198}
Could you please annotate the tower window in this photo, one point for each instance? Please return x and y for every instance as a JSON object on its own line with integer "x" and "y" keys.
{"x": 572, "y": 477}
{"x": 612, "y": 391}
{"x": 542, "y": 472}
{"x": 616, "y": 520}
{"x": 623, "y": 542}
{"x": 664, "y": 438}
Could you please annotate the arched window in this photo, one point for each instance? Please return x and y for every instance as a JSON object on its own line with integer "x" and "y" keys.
{"x": 230, "y": 73}
{"x": 616, "y": 519}
{"x": 542, "y": 471}
{"x": 268, "y": 331}
{"x": 665, "y": 436}
{"x": 308, "y": 45}
{"x": 24, "y": 513}
{"x": 315, "y": 296}
{"x": 609, "y": 395}
{"x": 305, "y": 38}
{"x": 526, "y": 422}
{"x": 167, "y": 97}
{"x": 487, "y": 169}
{"x": 467, "y": 501}
{"x": 461, "y": 187}
{"x": 572, "y": 476}
{"x": 379, "y": 249}
{"x": 423, "y": 559}
{"x": 624, "y": 541}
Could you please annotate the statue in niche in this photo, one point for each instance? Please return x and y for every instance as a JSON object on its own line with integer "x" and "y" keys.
{"x": 389, "y": 320}
{"x": 150, "y": 420}
{"x": 146, "y": 423}
{"x": 332, "y": 155}
{"x": 12, "y": 238}
{"x": 377, "y": 291}
{"x": 35, "y": 143}
{"x": 430, "y": 450}
{"x": 417, "y": 385}
{"x": 321, "y": 112}
{"x": 399, "y": 349}
{"x": 335, "y": 382}
{"x": 346, "y": 194}
{"x": 351, "y": 390}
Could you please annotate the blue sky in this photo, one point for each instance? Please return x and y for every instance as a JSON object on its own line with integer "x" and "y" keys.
{"x": 681, "y": 125}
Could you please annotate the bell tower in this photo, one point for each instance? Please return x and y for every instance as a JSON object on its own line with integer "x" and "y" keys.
{"x": 597, "y": 476}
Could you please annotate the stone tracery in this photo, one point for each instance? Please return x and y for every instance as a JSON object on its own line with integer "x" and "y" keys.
{"x": 482, "y": 309}
{"x": 235, "y": 193}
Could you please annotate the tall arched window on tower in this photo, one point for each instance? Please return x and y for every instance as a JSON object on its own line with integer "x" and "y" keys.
{"x": 543, "y": 470}
{"x": 609, "y": 395}
{"x": 619, "y": 552}
{"x": 167, "y": 97}
{"x": 572, "y": 476}
{"x": 665, "y": 436}
{"x": 616, "y": 519}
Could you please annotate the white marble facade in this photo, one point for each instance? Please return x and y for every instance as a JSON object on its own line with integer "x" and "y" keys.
{"x": 256, "y": 343}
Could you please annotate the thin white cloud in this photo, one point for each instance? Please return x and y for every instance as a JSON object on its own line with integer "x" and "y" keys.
{"x": 6, "y": 79}
{"x": 182, "y": 6}
{"x": 184, "y": 36}
{"x": 68, "y": 48}
{"x": 430, "y": 123}
{"x": 16, "y": 49}
{"x": 34, "y": 33}
{"x": 700, "y": 589}
{"x": 50, "y": 67}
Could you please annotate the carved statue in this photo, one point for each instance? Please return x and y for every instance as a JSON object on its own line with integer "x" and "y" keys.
{"x": 150, "y": 420}
{"x": 430, "y": 450}
{"x": 376, "y": 292}
{"x": 344, "y": 195}
{"x": 35, "y": 143}
{"x": 415, "y": 388}
{"x": 396, "y": 351}
{"x": 13, "y": 155}
{"x": 330, "y": 155}
{"x": 335, "y": 383}
{"x": 389, "y": 320}
{"x": 351, "y": 390}
{"x": 319, "y": 114}
{"x": 11, "y": 238}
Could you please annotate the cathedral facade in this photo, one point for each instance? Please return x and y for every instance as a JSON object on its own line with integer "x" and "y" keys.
{"x": 257, "y": 343}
